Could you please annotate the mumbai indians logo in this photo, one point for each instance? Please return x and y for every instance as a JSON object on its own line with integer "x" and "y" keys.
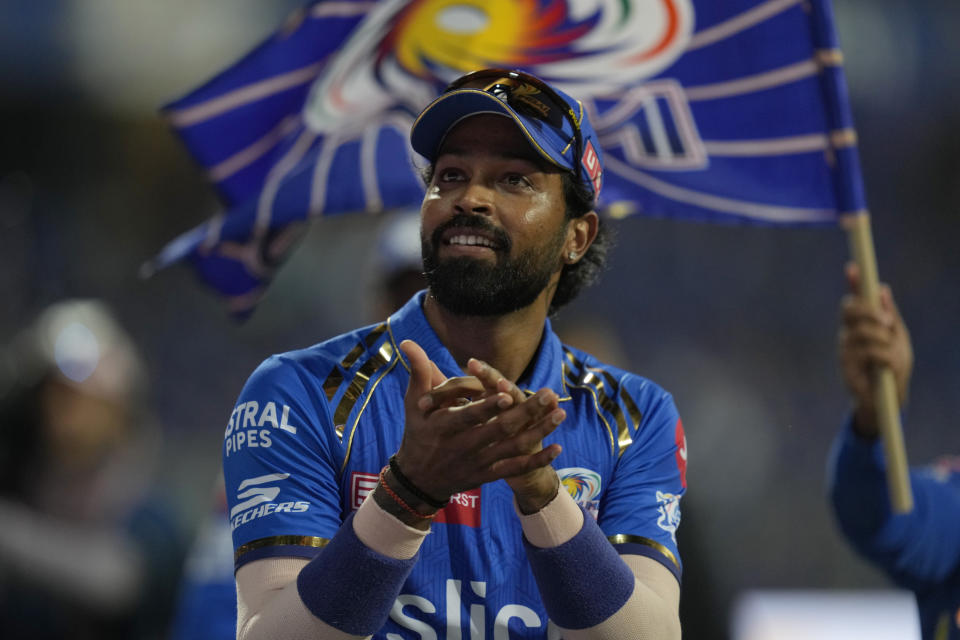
{"x": 406, "y": 50}
{"x": 668, "y": 504}
{"x": 584, "y": 486}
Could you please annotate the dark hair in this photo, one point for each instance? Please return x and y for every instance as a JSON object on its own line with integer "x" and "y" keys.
{"x": 578, "y": 199}
{"x": 584, "y": 272}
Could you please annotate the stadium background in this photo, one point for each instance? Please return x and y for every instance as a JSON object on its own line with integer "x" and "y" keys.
{"x": 738, "y": 322}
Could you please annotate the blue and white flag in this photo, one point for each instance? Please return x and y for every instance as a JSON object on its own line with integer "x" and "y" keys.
{"x": 731, "y": 111}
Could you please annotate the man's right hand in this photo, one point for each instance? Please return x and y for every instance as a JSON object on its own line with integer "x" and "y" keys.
{"x": 459, "y": 434}
{"x": 869, "y": 338}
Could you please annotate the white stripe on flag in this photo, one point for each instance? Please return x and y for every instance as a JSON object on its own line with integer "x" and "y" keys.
{"x": 756, "y": 210}
{"x": 321, "y": 174}
{"x": 782, "y": 146}
{"x": 190, "y": 116}
{"x": 768, "y": 147}
{"x": 750, "y": 84}
{"x": 247, "y": 156}
{"x": 327, "y": 9}
{"x": 279, "y": 171}
{"x": 739, "y": 23}
{"x": 368, "y": 169}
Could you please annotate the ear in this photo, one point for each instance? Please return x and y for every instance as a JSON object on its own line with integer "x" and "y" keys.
{"x": 581, "y": 233}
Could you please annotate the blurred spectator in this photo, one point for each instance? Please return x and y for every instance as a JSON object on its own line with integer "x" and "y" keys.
{"x": 87, "y": 548}
{"x": 207, "y": 602}
{"x": 920, "y": 550}
{"x": 397, "y": 264}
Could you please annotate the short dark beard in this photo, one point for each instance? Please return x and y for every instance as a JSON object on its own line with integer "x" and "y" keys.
{"x": 470, "y": 287}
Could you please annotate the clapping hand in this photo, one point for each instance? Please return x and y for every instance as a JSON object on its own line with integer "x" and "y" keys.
{"x": 465, "y": 431}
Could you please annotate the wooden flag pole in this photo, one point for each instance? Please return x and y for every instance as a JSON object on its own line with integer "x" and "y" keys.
{"x": 884, "y": 385}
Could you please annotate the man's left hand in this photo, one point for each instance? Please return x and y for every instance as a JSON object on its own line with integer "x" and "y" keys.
{"x": 534, "y": 489}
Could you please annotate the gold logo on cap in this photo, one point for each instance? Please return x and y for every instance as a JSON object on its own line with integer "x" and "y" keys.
{"x": 523, "y": 93}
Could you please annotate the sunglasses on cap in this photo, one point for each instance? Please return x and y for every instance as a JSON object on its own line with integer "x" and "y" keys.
{"x": 529, "y": 96}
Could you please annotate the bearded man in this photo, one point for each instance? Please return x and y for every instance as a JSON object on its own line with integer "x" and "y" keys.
{"x": 548, "y": 482}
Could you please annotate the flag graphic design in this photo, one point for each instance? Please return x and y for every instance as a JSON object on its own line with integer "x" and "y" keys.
{"x": 714, "y": 111}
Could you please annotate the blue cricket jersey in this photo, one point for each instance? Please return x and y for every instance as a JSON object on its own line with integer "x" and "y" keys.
{"x": 313, "y": 428}
{"x": 920, "y": 550}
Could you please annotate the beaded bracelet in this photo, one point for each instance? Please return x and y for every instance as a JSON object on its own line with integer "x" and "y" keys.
{"x": 400, "y": 501}
{"x": 412, "y": 488}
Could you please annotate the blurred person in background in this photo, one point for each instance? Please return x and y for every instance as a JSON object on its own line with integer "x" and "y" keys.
{"x": 397, "y": 263}
{"x": 87, "y": 548}
{"x": 919, "y": 550}
{"x": 206, "y": 603}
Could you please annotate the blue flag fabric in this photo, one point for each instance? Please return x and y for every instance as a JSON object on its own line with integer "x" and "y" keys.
{"x": 730, "y": 111}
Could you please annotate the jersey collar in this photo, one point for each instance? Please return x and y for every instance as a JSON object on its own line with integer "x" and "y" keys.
{"x": 410, "y": 323}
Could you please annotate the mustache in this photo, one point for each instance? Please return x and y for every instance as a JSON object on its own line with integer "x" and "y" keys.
{"x": 472, "y": 221}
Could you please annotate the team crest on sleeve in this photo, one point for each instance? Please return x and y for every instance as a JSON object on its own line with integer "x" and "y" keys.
{"x": 583, "y": 485}
{"x": 668, "y": 504}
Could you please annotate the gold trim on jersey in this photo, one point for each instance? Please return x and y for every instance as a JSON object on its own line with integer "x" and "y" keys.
{"x": 596, "y": 404}
{"x": 368, "y": 341}
{"x": 276, "y": 541}
{"x": 614, "y": 385}
{"x": 332, "y": 383}
{"x": 622, "y": 538}
{"x": 635, "y": 414}
{"x": 386, "y": 347}
{"x": 623, "y": 430}
{"x": 596, "y": 381}
{"x": 360, "y": 381}
{"x": 396, "y": 346}
{"x": 335, "y": 379}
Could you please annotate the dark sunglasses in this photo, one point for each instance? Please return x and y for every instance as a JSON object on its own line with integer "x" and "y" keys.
{"x": 530, "y": 96}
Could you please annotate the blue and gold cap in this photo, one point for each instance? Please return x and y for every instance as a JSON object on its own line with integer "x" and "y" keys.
{"x": 555, "y": 124}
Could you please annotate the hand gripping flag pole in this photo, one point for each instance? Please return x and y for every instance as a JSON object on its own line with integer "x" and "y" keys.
{"x": 855, "y": 220}
{"x": 884, "y": 386}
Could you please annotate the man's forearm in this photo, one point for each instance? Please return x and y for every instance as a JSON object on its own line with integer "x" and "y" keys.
{"x": 567, "y": 550}
{"x": 345, "y": 592}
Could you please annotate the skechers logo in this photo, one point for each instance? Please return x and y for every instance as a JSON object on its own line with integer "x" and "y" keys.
{"x": 250, "y": 495}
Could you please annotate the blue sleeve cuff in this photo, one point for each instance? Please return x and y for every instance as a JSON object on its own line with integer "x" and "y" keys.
{"x": 857, "y": 485}
{"x": 350, "y": 586}
{"x": 866, "y": 452}
{"x": 657, "y": 553}
{"x": 583, "y": 581}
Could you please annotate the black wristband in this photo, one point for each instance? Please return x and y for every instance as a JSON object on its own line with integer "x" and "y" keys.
{"x": 412, "y": 488}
